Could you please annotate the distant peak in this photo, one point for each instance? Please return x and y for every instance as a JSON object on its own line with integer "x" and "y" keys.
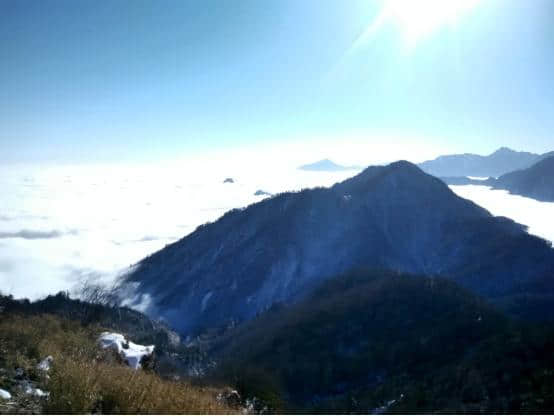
{"x": 398, "y": 166}
{"x": 326, "y": 162}
{"x": 324, "y": 165}
{"x": 373, "y": 174}
{"x": 504, "y": 149}
{"x": 402, "y": 164}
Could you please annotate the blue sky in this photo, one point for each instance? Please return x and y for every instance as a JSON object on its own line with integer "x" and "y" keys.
{"x": 134, "y": 80}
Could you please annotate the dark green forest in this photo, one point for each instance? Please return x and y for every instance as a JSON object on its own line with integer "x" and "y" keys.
{"x": 382, "y": 341}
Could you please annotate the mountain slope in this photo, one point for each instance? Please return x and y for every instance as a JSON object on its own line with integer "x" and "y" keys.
{"x": 366, "y": 338}
{"x": 502, "y": 161}
{"x": 394, "y": 217}
{"x": 536, "y": 182}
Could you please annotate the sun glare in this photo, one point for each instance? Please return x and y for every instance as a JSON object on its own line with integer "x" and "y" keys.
{"x": 415, "y": 19}
{"x": 419, "y": 18}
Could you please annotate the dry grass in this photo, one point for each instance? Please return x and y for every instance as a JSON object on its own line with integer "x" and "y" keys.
{"x": 84, "y": 380}
{"x": 87, "y": 387}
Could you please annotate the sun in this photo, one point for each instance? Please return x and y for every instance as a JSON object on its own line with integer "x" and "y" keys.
{"x": 417, "y": 19}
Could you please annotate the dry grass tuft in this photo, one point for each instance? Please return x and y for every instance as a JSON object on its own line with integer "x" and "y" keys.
{"x": 102, "y": 388}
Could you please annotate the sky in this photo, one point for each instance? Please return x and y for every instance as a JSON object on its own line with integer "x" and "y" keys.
{"x": 135, "y": 80}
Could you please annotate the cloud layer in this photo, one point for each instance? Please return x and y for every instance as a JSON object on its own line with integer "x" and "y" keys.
{"x": 536, "y": 215}
{"x": 34, "y": 234}
{"x": 85, "y": 223}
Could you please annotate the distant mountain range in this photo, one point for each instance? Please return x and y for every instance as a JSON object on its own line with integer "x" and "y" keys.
{"x": 535, "y": 182}
{"x": 393, "y": 217}
{"x": 327, "y": 165}
{"x": 502, "y": 161}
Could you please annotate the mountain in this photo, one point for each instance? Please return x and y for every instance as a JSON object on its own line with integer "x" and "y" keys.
{"x": 392, "y": 217}
{"x": 371, "y": 340}
{"x": 326, "y": 165}
{"x": 502, "y": 161}
{"x": 536, "y": 182}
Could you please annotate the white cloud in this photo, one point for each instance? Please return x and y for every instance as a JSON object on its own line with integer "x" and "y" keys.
{"x": 88, "y": 222}
{"x": 534, "y": 214}
{"x": 34, "y": 234}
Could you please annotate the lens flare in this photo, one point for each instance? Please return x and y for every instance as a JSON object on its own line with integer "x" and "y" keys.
{"x": 419, "y": 18}
{"x": 416, "y": 19}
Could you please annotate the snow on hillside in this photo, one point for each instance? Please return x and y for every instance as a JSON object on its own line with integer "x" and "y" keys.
{"x": 130, "y": 352}
{"x": 5, "y": 395}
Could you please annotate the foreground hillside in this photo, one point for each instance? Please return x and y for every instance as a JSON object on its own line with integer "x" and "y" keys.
{"x": 81, "y": 377}
{"x": 393, "y": 217}
{"x": 380, "y": 341}
{"x": 361, "y": 342}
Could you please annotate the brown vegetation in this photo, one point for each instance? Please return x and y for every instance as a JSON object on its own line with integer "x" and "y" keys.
{"x": 84, "y": 379}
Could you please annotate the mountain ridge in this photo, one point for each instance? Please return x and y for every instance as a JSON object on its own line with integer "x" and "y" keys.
{"x": 500, "y": 162}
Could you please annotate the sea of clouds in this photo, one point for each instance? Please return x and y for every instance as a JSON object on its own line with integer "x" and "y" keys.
{"x": 62, "y": 226}
{"x": 536, "y": 215}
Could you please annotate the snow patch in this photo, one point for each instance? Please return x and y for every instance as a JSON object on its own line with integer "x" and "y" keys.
{"x": 36, "y": 392}
{"x": 130, "y": 352}
{"x": 45, "y": 364}
{"x": 5, "y": 395}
